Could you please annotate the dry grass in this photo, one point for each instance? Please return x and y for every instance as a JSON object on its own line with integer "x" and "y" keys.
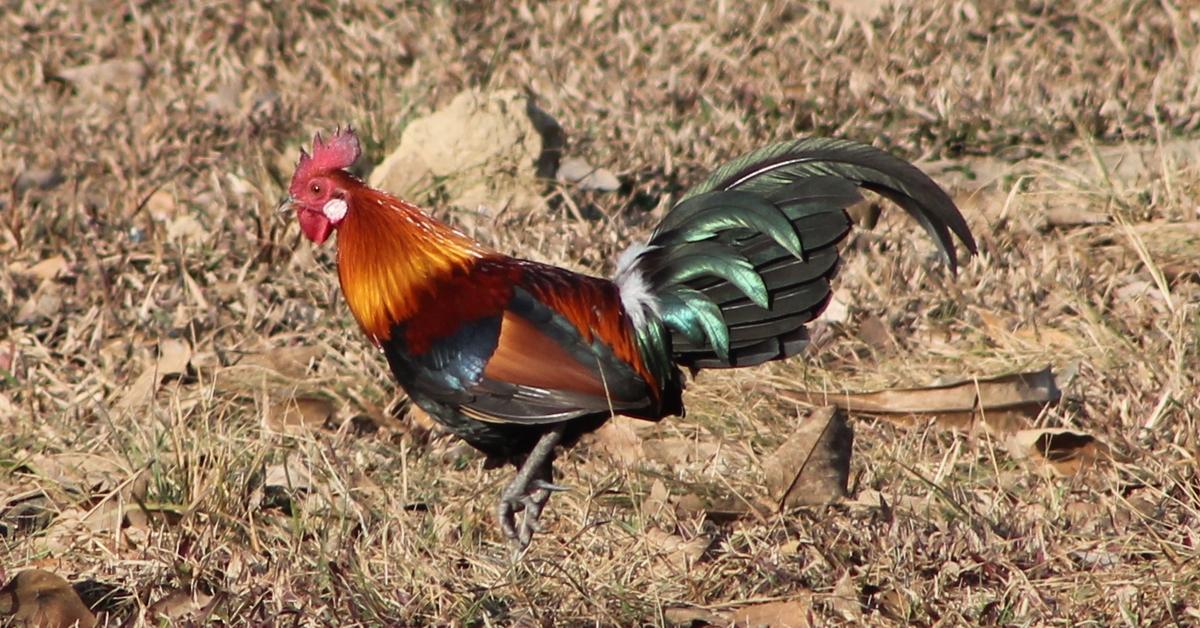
{"x": 156, "y": 182}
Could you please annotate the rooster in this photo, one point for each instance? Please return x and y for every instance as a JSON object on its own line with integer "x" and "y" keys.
{"x": 518, "y": 358}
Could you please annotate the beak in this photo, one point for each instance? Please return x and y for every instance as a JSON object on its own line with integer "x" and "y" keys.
{"x": 286, "y": 206}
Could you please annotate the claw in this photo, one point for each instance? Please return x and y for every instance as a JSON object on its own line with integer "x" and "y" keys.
{"x": 528, "y": 493}
{"x": 543, "y": 485}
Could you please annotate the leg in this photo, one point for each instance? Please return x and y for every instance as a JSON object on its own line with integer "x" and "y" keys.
{"x": 529, "y": 491}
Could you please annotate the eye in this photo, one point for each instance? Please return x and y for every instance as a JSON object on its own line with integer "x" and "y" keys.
{"x": 316, "y": 188}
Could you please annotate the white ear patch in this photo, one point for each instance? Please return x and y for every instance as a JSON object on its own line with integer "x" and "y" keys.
{"x": 335, "y": 210}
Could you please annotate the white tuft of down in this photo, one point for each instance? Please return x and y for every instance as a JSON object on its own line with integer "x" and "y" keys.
{"x": 636, "y": 297}
{"x": 335, "y": 210}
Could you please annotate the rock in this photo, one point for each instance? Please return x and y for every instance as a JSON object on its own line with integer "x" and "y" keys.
{"x": 586, "y": 176}
{"x": 484, "y": 149}
{"x": 864, "y": 9}
{"x": 121, "y": 75}
{"x": 38, "y": 179}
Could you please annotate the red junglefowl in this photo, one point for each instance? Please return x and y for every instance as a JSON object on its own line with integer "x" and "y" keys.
{"x": 518, "y": 357}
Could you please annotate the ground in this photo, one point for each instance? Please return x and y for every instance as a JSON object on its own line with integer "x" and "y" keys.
{"x": 192, "y": 426}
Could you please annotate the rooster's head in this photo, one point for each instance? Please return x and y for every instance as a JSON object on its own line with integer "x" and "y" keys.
{"x": 319, "y": 189}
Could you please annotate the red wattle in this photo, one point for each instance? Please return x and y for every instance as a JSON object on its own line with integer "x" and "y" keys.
{"x": 314, "y": 225}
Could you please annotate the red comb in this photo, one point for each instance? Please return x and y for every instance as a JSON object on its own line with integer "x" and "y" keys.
{"x": 336, "y": 153}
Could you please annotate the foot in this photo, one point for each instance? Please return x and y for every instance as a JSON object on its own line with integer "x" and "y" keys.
{"x": 528, "y": 492}
{"x": 530, "y": 500}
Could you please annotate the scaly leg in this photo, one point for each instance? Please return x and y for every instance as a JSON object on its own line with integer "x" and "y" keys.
{"x": 529, "y": 491}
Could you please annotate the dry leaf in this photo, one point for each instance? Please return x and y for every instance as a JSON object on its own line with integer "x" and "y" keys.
{"x": 617, "y": 439}
{"x": 717, "y": 509}
{"x": 677, "y": 551}
{"x": 420, "y": 418}
{"x": 44, "y": 304}
{"x": 120, "y": 75}
{"x": 178, "y": 605}
{"x": 656, "y": 500}
{"x": 1064, "y": 451}
{"x": 813, "y": 465}
{"x": 284, "y": 485}
{"x": 1001, "y": 404}
{"x": 788, "y": 614}
{"x": 275, "y": 367}
{"x": 894, "y": 605}
{"x": 44, "y": 600}
{"x": 161, "y": 205}
{"x": 24, "y": 513}
{"x": 86, "y": 475}
{"x": 38, "y": 179}
{"x": 679, "y": 451}
{"x": 185, "y": 228}
{"x": 871, "y": 498}
{"x": 288, "y": 477}
{"x": 1068, "y": 217}
{"x": 689, "y": 616}
{"x": 875, "y": 333}
{"x": 291, "y": 362}
{"x": 845, "y": 599}
{"x": 299, "y": 414}
{"x": 174, "y": 355}
{"x": 49, "y": 268}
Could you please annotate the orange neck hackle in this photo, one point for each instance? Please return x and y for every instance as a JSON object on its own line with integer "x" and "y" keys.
{"x": 390, "y": 255}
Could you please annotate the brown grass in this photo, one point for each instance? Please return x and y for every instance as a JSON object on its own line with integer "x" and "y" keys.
{"x": 397, "y": 525}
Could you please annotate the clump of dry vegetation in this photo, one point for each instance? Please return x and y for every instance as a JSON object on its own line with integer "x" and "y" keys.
{"x": 192, "y": 427}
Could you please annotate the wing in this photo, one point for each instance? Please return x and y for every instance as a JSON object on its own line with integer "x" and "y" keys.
{"x": 555, "y": 347}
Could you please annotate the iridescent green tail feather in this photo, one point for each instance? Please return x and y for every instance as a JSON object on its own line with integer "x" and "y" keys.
{"x": 745, "y": 259}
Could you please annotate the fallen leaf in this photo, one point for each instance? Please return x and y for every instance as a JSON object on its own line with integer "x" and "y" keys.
{"x": 44, "y": 304}
{"x": 178, "y": 605}
{"x": 420, "y": 418}
{"x": 870, "y": 498}
{"x": 875, "y": 333}
{"x": 38, "y": 178}
{"x": 25, "y": 513}
{"x": 865, "y": 215}
{"x": 1064, "y": 451}
{"x": 288, "y": 477}
{"x": 657, "y": 500}
{"x": 8, "y": 356}
{"x": 104, "y": 597}
{"x": 813, "y": 466}
{"x": 291, "y": 362}
{"x": 1068, "y": 217}
{"x": 796, "y": 613}
{"x": 44, "y": 600}
{"x": 87, "y": 475}
{"x": 718, "y": 509}
{"x": 185, "y": 228}
{"x": 894, "y": 605}
{"x": 836, "y": 312}
{"x": 284, "y": 485}
{"x": 298, "y": 414}
{"x": 161, "y": 205}
{"x": 49, "y": 268}
{"x": 677, "y": 551}
{"x": 689, "y": 616}
{"x": 174, "y": 355}
{"x": 1097, "y": 559}
{"x": 124, "y": 75}
{"x": 679, "y": 451}
{"x": 618, "y": 440}
{"x": 844, "y": 600}
{"x": 1001, "y": 404}
{"x": 272, "y": 367}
